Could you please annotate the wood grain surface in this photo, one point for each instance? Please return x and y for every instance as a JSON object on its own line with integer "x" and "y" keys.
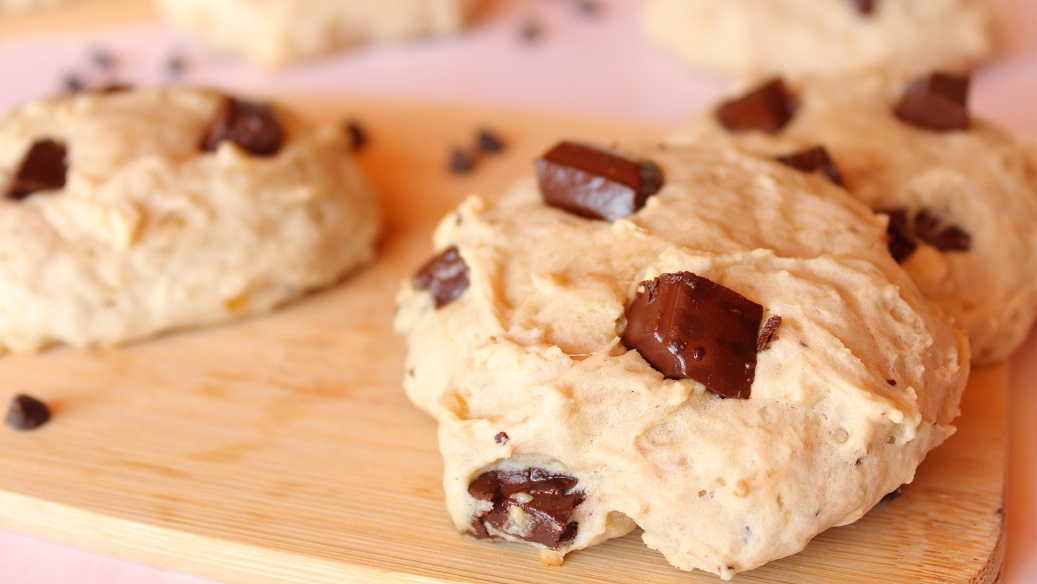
{"x": 282, "y": 448}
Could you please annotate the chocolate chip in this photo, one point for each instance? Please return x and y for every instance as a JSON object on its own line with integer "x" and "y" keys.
{"x": 768, "y": 333}
{"x": 688, "y": 327}
{"x": 461, "y": 162}
{"x": 43, "y": 168}
{"x": 26, "y": 413}
{"x": 488, "y": 141}
{"x": 866, "y": 7}
{"x": 445, "y": 276}
{"x": 252, "y": 126}
{"x": 501, "y": 438}
{"x": 936, "y": 102}
{"x": 892, "y": 382}
{"x": 905, "y": 232}
{"x": 814, "y": 159}
{"x": 892, "y": 496}
{"x": 533, "y": 505}
{"x": 356, "y": 134}
{"x": 901, "y": 239}
{"x": 766, "y": 108}
{"x": 596, "y": 183}
{"x": 72, "y": 84}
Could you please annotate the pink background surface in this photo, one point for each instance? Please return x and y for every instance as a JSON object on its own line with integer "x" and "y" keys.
{"x": 587, "y": 65}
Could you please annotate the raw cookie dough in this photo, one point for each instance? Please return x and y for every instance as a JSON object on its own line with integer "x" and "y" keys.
{"x": 554, "y": 432}
{"x": 116, "y": 224}
{"x": 273, "y": 33}
{"x": 981, "y": 180}
{"x": 794, "y": 37}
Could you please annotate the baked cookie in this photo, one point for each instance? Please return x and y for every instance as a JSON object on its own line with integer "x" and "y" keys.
{"x": 960, "y": 193}
{"x": 29, "y": 5}
{"x": 131, "y": 212}
{"x": 793, "y": 37}
{"x": 715, "y": 348}
{"x": 277, "y": 32}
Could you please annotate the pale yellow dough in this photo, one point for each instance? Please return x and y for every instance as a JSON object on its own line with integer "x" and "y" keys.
{"x": 983, "y": 180}
{"x": 793, "y": 37}
{"x": 274, "y": 33}
{"x": 150, "y": 234}
{"x": 532, "y": 349}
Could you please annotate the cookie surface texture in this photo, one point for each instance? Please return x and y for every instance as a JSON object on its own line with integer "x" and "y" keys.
{"x": 965, "y": 195}
{"x": 274, "y": 33}
{"x": 125, "y": 225}
{"x": 556, "y": 433}
{"x": 794, "y": 37}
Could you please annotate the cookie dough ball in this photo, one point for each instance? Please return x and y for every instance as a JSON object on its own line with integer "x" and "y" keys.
{"x": 960, "y": 193}
{"x": 274, "y": 33}
{"x": 133, "y": 212}
{"x": 794, "y": 37}
{"x": 707, "y": 345}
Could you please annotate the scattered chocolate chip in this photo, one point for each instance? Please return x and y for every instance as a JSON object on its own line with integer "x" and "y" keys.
{"x": 102, "y": 59}
{"x": 501, "y": 438}
{"x": 936, "y": 102}
{"x": 892, "y": 382}
{"x": 252, "y": 126}
{"x": 814, "y": 159}
{"x": 531, "y": 31}
{"x": 766, "y": 108}
{"x": 71, "y": 84}
{"x": 688, "y": 327}
{"x": 175, "y": 65}
{"x": 488, "y": 142}
{"x": 930, "y": 229}
{"x": 461, "y": 162}
{"x": 356, "y": 134}
{"x": 533, "y": 505}
{"x": 43, "y": 168}
{"x": 26, "y": 413}
{"x": 596, "y": 183}
{"x": 866, "y": 7}
{"x": 892, "y": 496}
{"x": 901, "y": 240}
{"x": 445, "y": 276}
{"x": 768, "y": 333}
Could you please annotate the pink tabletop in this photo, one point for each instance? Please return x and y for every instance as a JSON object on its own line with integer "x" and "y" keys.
{"x": 617, "y": 74}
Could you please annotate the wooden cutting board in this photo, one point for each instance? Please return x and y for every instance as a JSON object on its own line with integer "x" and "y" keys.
{"x": 282, "y": 448}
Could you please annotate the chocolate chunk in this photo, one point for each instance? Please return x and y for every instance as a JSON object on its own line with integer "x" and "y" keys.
{"x": 936, "y": 102}
{"x": 533, "y": 505}
{"x": 501, "y": 438}
{"x": 688, "y": 327}
{"x": 814, "y": 159}
{"x": 596, "y": 183}
{"x": 445, "y": 276}
{"x": 892, "y": 382}
{"x": 252, "y": 126}
{"x": 866, "y": 7}
{"x": 43, "y": 169}
{"x": 930, "y": 229}
{"x": 488, "y": 142}
{"x": 26, "y": 413}
{"x": 767, "y": 108}
{"x": 901, "y": 239}
{"x": 461, "y": 162}
{"x": 767, "y": 334}
{"x": 356, "y": 134}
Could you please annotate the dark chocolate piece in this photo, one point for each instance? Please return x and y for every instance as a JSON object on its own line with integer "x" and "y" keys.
{"x": 461, "y": 162}
{"x": 596, "y": 183}
{"x": 688, "y": 327}
{"x": 901, "y": 239}
{"x": 936, "y": 102}
{"x": 445, "y": 276}
{"x": 356, "y": 134}
{"x": 26, "y": 413}
{"x": 892, "y": 382}
{"x": 930, "y": 229}
{"x": 533, "y": 505}
{"x": 488, "y": 142}
{"x": 43, "y": 169}
{"x": 768, "y": 333}
{"x": 501, "y": 438}
{"x": 865, "y": 7}
{"x": 766, "y": 108}
{"x": 814, "y": 159}
{"x": 252, "y": 126}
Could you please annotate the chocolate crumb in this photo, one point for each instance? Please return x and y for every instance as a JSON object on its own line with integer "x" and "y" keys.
{"x": 42, "y": 169}
{"x": 461, "y": 162}
{"x": 936, "y": 102}
{"x": 26, "y": 413}
{"x": 892, "y": 382}
{"x": 488, "y": 141}
{"x": 865, "y": 7}
{"x": 892, "y": 496}
{"x": 252, "y": 126}
{"x": 445, "y": 276}
{"x": 102, "y": 59}
{"x": 765, "y": 108}
{"x": 356, "y": 134}
{"x": 501, "y": 438}
{"x": 768, "y": 333}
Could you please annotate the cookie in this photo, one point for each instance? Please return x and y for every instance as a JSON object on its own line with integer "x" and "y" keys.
{"x": 795, "y": 37}
{"x": 31, "y": 5}
{"x": 278, "y": 32}
{"x": 960, "y": 193}
{"x": 132, "y": 212}
{"x": 698, "y": 342}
